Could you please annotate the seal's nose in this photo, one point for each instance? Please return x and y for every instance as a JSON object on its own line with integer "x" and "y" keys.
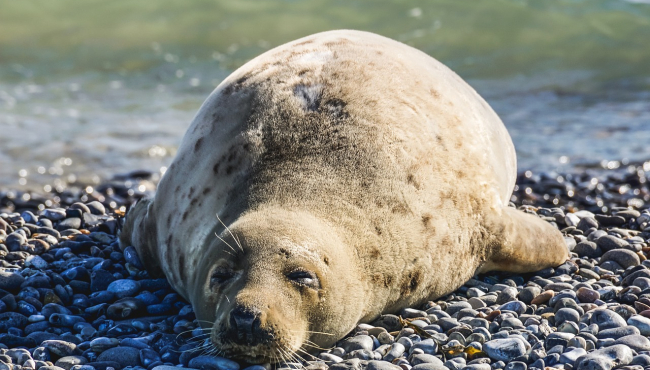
{"x": 244, "y": 321}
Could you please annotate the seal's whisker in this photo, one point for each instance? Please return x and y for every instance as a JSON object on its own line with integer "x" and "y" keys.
{"x": 228, "y": 229}
{"x": 206, "y": 321}
{"x": 225, "y": 242}
{"x": 314, "y": 345}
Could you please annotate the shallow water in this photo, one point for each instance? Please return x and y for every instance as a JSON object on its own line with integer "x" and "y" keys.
{"x": 92, "y": 89}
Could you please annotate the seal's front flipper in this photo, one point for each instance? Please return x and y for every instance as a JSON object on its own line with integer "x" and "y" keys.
{"x": 139, "y": 231}
{"x": 521, "y": 242}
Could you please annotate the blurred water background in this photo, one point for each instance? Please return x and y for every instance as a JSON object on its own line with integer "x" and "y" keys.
{"x": 96, "y": 88}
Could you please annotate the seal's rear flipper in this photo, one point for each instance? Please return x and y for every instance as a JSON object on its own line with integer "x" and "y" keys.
{"x": 522, "y": 242}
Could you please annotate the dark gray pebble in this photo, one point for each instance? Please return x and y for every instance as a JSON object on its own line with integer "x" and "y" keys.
{"x": 125, "y": 356}
{"x": 213, "y": 363}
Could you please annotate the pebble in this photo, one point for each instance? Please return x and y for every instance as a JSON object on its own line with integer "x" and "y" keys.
{"x": 605, "y": 358}
{"x": 125, "y": 356}
{"x": 213, "y": 363}
{"x": 505, "y": 349}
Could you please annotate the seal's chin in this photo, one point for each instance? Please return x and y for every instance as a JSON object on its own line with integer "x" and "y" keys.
{"x": 259, "y": 354}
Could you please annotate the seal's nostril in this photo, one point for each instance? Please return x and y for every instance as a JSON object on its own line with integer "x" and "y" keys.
{"x": 244, "y": 321}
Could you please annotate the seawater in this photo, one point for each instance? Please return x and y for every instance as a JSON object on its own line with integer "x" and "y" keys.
{"x": 92, "y": 89}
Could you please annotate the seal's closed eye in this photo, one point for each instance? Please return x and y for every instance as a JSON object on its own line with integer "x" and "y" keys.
{"x": 220, "y": 276}
{"x": 304, "y": 278}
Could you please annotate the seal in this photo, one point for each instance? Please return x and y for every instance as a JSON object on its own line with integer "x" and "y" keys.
{"x": 328, "y": 181}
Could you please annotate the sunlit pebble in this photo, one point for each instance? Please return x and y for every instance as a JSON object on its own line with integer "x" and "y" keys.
{"x": 415, "y": 12}
{"x": 115, "y": 84}
{"x": 112, "y": 204}
{"x": 47, "y": 188}
{"x": 22, "y": 173}
{"x": 22, "y": 181}
{"x": 180, "y": 73}
{"x": 195, "y": 82}
{"x": 142, "y": 188}
{"x": 41, "y": 170}
{"x": 89, "y": 189}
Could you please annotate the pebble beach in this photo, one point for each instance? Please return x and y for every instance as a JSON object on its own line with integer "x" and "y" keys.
{"x": 71, "y": 299}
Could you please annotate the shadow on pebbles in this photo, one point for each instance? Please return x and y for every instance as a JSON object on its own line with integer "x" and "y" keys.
{"x": 71, "y": 299}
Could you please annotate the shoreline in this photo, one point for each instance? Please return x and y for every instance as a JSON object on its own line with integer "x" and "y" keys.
{"x": 73, "y": 299}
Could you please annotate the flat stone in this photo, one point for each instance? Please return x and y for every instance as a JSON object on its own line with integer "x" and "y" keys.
{"x": 637, "y": 342}
{"x": 505, "y": 349}
{"x": 640, "y": 322}
{"x": 125, "y": 356}
{"x": 358, "y": 342}
{"x": 605, "y": 358}
{"x": 606, "y": 319}
{"x": 213, "y": 363}
{"x": 623, "y": 257}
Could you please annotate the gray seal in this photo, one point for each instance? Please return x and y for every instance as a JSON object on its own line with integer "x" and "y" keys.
{"x": 328, "y": 181}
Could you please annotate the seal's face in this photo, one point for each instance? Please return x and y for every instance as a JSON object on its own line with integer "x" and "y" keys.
{"x": 271, "y": 287}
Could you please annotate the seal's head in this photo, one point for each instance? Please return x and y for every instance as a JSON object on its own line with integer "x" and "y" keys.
{"x": 277, "y": 283}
